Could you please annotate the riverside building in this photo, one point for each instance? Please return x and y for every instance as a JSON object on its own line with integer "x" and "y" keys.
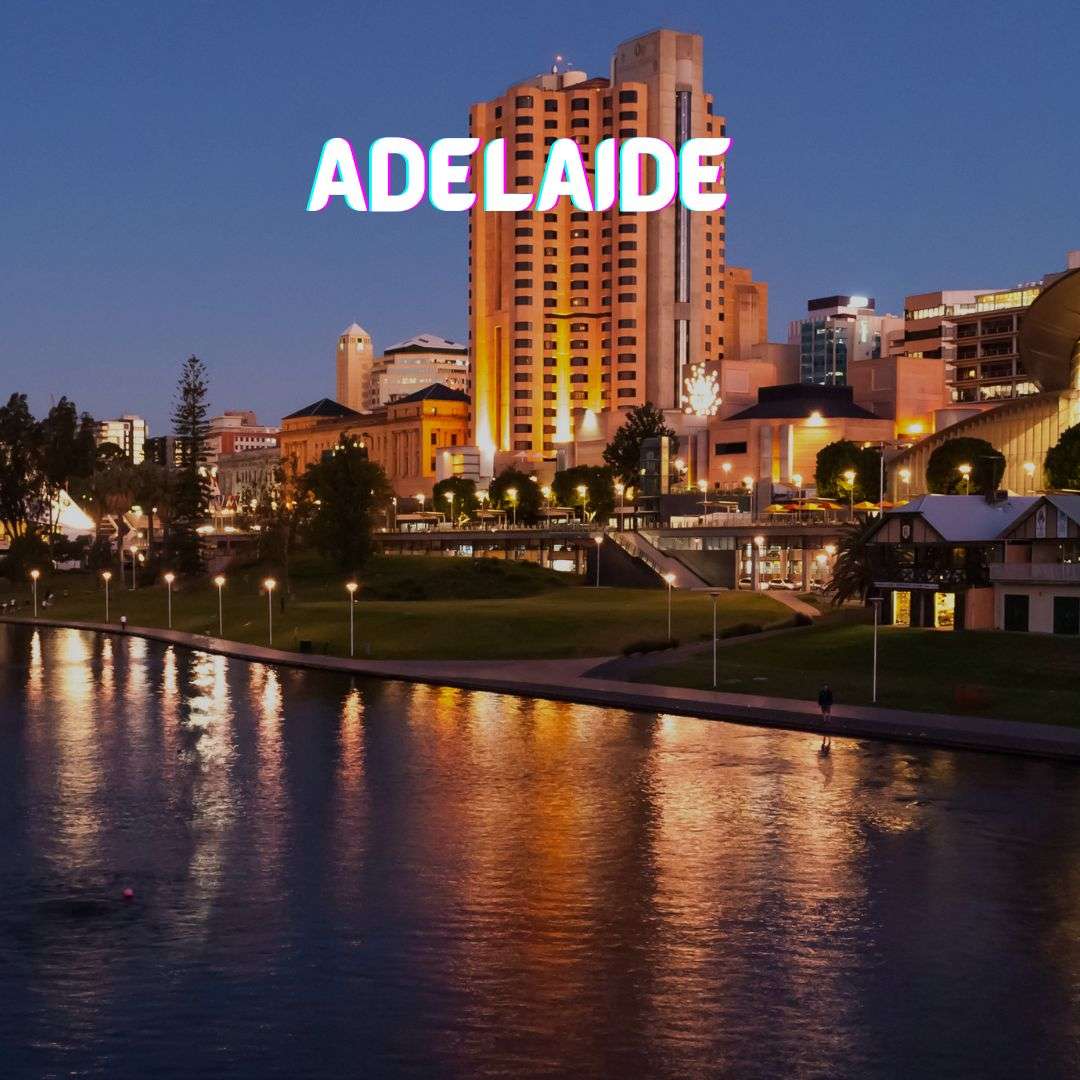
{"x": 571, "y": 310}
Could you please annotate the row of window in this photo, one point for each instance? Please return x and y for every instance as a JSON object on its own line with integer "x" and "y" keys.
{"x": 525, "y": 101}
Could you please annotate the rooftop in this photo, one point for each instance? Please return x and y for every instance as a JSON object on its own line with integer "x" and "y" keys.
{"x": 325, "y": 408}
{"x": 963, "y": 518}
{"x": 800, "y": 400}
{"x": 427, "y": 343}
{"x": 434, "y": 392}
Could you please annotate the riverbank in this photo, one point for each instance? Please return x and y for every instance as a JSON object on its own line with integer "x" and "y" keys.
{"x": 569, "y": 680}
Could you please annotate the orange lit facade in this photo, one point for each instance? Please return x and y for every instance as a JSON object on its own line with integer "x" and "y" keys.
{"x": 572, "y": 310}
{"x": 404, "y": 437}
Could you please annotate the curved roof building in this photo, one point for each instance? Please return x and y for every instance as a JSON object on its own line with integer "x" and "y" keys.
{"x": 1025, "y": 428}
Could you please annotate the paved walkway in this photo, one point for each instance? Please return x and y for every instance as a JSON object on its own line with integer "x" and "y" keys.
{"x": 566, "y": 680}
{"x": 789, "y": 599}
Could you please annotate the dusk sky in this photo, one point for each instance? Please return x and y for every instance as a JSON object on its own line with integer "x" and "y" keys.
{"x": 157, "y": 160}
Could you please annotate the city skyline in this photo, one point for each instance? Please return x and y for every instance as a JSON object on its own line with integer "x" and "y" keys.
{"x": 193, "y": 238}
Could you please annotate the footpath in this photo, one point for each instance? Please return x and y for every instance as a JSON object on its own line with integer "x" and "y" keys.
{"x": 570, "y": 680}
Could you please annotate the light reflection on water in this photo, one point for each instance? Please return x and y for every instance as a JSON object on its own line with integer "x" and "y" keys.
{"x": 337, "y": 879}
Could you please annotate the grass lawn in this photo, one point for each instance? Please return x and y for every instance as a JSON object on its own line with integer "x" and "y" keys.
{"x": 1030, "y": 677}
{"x": 561, "y": 620}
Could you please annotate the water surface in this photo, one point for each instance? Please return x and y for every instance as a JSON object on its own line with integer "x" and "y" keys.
{"x": 338, "y": 878}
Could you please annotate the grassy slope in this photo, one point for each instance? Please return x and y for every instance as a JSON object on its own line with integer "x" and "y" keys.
{"x": 561, "y": 621}
{"x": 1013, "y": 676}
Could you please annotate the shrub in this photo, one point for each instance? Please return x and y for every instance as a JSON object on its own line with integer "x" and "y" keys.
{"x": 648, "y": 645}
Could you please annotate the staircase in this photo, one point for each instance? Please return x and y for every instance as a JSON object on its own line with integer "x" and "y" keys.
{"x": 640, "y": 547}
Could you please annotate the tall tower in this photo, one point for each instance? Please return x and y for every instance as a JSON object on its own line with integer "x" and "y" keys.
{"x": 354, "y": 362}
{"x": 571, "y": 310}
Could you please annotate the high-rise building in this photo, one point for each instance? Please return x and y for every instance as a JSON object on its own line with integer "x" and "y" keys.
{"x": 571, "y": 310}
{"x": 975, "y": 333}
{"x": 838, "y": 331}
{"x": 354, "y": 364}
{"x": 419, "y": 361}
{"x": 127, "y": 432}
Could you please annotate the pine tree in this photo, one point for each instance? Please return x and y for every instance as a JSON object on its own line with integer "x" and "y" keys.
{"x": 191, "y": 491}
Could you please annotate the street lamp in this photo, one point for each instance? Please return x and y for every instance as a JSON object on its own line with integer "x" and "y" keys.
{"x": 511, "y": 494}
{"x": 714, "y": 596}
{"x": 169, "y": 579}
{"x": 599, "y": 540}
{"x": 393, "y": 512}
{"x": 351, "y": 587}
{"x": 849, "y": 477}
{"x": 269, "y": 585}
{"x": 727, "y": 475}
{"x": 703, "y": 487}
{"x": 420, "y": 500}
{"x": 620, "y": 490}
{"x": 748, "y": 483}
{"x": 449, "y": 496}
{"x": 219, "y": 581}
{"x": 34, "y": 575}
{"x": 670, "y": 579}
{"x": 106, "y": 576}
{"x": 876, "y": 601}
{"x": 965, "y": 472}
{"x": 1029, "y": 468}
{"x": 583, "y": 495}
{"x": 905, "y": 475}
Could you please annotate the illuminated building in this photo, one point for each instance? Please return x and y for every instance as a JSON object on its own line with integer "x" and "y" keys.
{"x": 839, "y": 332}
{"x": 419, "y": 361}
{"x": 404, "y": 437}
{"x": 129, "y": 433}
{"x": 573, "y": 310}
{"x": 237, "y": 431}
{"x": 354, "y": 366}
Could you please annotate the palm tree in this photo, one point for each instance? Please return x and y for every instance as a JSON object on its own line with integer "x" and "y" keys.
{"x": 853, "y": 575}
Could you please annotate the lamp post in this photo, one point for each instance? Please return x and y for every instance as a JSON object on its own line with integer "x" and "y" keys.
{"x": 876, "y": 601}
{"x": 219, "y": 581}
{"x": 169, "y": 579}
{"x": 583, "y": 495}
{"x": 715, "y": 597}
{"x": 131, "y": 552}
{"x": 748, "y": 483}
{"x": 106, "y": 576}
{"x": 34, "y": 575}
{"x": 849, "y": 479}
{"x": 450, "y": 499}
{"x": 670, "y": 579}
{"x": 965, "y": 472}
{"x": 727, "y": 476}
{"x": 703, "y": 487}
{"x": 393, "y": 512}
{"x": 796, "y": 479}
{"x": 599, "y": 541}
{"x": 420, "y": 500}
{"x": 905, "y": 475}
{"x": 269, "y": 585}
{"x": 620, "y": 490}
{"x": 1029, "y": 469}
{"x": 511, "y": 494}
{"x": 351, "y": 588}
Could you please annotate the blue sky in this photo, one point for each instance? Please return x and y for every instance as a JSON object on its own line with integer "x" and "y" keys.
{"x": 156, "y": 161}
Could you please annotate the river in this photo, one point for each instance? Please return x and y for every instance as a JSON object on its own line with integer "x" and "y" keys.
{"x": 338, "y": 878}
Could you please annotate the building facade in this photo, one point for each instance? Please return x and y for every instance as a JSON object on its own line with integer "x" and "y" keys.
{"x": 127, "y": 432}
{"x": 355, "y": 361}
{"x": 571, "y": 310}
{"x": 237, "y": 431}
{"x": 404, "y": 437}
{"x": 419, "y": 361}
{"x": 839, "y": 332}
{"x": 246, "y": 475}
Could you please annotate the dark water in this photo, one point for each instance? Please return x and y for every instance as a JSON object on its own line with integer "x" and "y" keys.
{"x": 337, "y": 880}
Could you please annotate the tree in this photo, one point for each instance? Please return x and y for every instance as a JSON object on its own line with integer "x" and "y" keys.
{"x": 836, "y": 458}
{"x": 281, "y": 513}
{"x": 152, "y": 490}
{"x": 599, "y": 487}
{"x": 943, "y": 476}
{"x": 21, "y": 490}
{"x": 1063, "y": 460}
{"x": 191, "y": 488}
{"x": 67, "y": 453}
{"x": 348, "y": 491}
{"x": 623, "y": 453}
{"x": 853, "y": 575}
{"x": 464, "y": 492}
{"x": 526, "y": 498}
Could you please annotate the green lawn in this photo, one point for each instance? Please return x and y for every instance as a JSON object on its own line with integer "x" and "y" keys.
{"x": 1030, "y": 677}
{"x": 562, "y": 620}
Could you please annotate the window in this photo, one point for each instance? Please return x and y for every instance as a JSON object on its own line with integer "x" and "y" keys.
{"x": 626, "y": 96}
{"x": 578, "y": 104}
{"x": 523, "y": 101}
{"x": 722, "y": 448}
{"x": 551, "y": 105}
{"x": 1066, "y": 615}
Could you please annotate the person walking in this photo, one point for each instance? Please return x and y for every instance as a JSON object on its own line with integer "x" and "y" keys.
{"x": 825, "y": 702}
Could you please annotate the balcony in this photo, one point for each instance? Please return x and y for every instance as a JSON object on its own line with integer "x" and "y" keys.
{"x": 1035, "y": 573}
